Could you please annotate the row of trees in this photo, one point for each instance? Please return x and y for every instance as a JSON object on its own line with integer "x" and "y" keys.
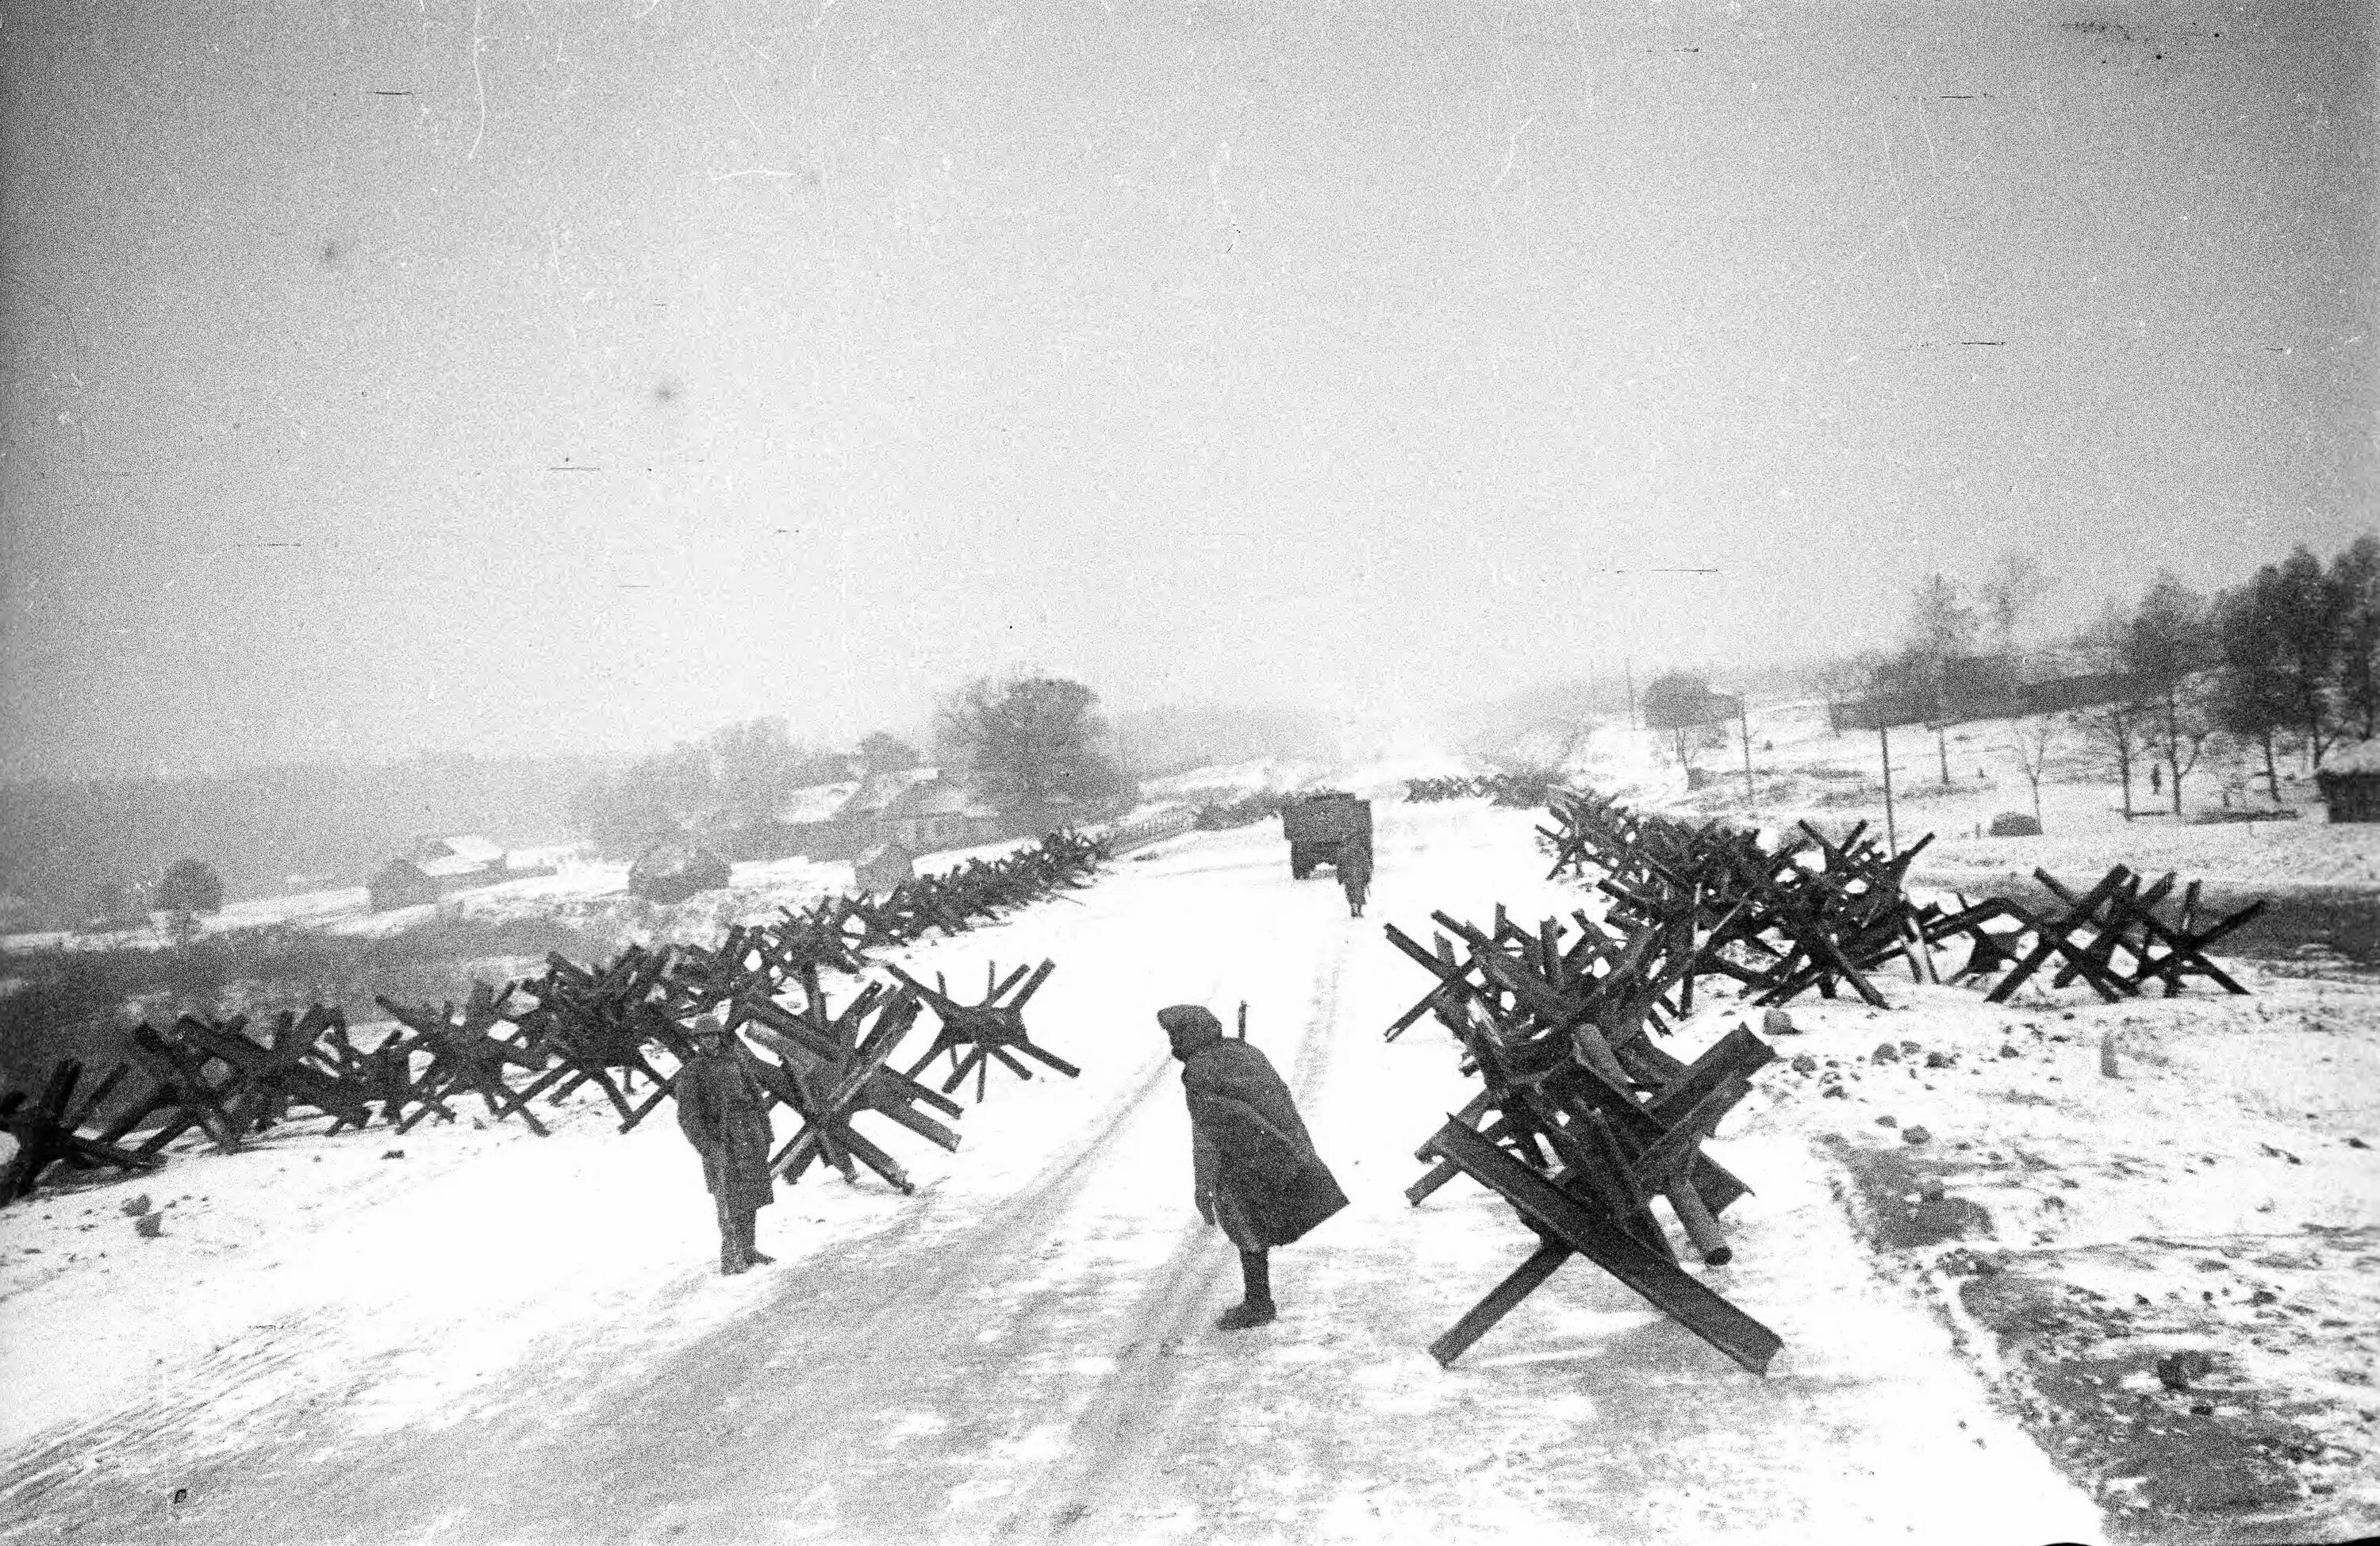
{"x": 2296, "y": 652}
{"x": 1022, "y": 742}
{"x": 2287, "y": 661}
{"x": 738, "y": 774}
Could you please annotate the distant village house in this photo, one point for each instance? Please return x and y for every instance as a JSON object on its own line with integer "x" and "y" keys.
{"x": 670, "y": 873}
{"x": 437, "y": 867}
{"x": 934, "y": 815}
{"x": 913, "y": 809}
{"x": 2350, "y": 781}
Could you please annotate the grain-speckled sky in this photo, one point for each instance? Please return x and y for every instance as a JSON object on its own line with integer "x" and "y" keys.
{"x": 497, "y": 377}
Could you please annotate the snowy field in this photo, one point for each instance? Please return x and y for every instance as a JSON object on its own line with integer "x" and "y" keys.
{"x": 1802, "y": 771}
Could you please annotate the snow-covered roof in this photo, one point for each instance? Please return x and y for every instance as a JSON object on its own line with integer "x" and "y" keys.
{"x": 935, "y": 798}
{"x": 451, "y": 864}
{"x": 2362, "y": 757}
{"x": 818, "y": 803}
{"x": 545, "y": 857}
{"x": 468, "y": 846}
{"x": 881, "y": 790}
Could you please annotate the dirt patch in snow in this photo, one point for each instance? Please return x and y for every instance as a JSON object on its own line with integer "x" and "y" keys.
{"x": 2180, "y": 1442}
{"x": 2167, "y": 1275}
{"x": 1903, "y": 1203}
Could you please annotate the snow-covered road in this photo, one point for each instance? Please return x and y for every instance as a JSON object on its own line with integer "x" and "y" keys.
{"x": 530, "y": 1347}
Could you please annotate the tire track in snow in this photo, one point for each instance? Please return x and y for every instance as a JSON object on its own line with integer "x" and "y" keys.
{"x": 869, "y": 1330}
{"x": 62, "y": 1456}
{"x": 1000, "y": 1394}
{"x": 1122, "y": 1431}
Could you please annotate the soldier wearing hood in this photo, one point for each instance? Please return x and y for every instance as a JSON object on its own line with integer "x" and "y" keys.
{"x": 1354, "y": 866}
{"x": 1256, "y": 1174}
{"x": 722, "y": 1114}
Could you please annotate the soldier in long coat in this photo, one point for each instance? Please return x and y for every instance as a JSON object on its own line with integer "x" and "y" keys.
{"x": 1257, "y": 1176}
{"x": 723, "y": 1114}
{"x": 1354, "y": 867}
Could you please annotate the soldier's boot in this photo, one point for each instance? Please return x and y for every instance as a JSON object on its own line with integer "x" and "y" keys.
{"x": 745, "y": 1225}
{"x": 1256, "y": 1308}
{"x": 732, "y": 1259}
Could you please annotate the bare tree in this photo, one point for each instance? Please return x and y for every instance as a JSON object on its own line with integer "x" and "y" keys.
{"x": 1677, "y": 702}
{"x": 2118, "y": 726}
{"x": 2178, "y": 734}
{"x": 1845, "y": 678}
{"x": 2119, "y": 729}
{"x": 2168, "y": 646}
{"x": 1942, "y": 627}
{"x": 2031, "y": 742}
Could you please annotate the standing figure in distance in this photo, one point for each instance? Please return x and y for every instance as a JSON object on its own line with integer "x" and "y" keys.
{"x": 1256, "y": 1174}
{"x": 1354, "y": 869}
{"x": 722, "y": 1114}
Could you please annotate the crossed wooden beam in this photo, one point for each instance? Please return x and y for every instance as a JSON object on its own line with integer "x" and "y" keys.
{"x": 830, "y": 1068}
{"x": 597, "y": 1023}
{"x": 1582, "y": 1121}
{"x": 1798, "y": 926}
{"x": 820, "y": 938}
{"x": 466, "y": 1060}
{"x": 1581, "y": 1161}
{"x": 271, "y": 1076}
{"x": 216, "y": 1077}
{"x": 47, "y": 1131}
{"x": 1609, "y": 988}
{"x": 977, "y": 1035}
{"x": 2112, "y": 938}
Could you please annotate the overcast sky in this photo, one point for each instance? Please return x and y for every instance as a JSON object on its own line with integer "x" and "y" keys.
{"x": 500, "y": 377}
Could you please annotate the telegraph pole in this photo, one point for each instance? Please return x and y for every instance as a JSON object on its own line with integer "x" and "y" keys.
{"x": 1891, "y": 840}
{"x": 1744, "y": 722}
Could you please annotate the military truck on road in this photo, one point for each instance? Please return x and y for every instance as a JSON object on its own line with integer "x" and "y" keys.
{"x": 1319, "y": 826}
